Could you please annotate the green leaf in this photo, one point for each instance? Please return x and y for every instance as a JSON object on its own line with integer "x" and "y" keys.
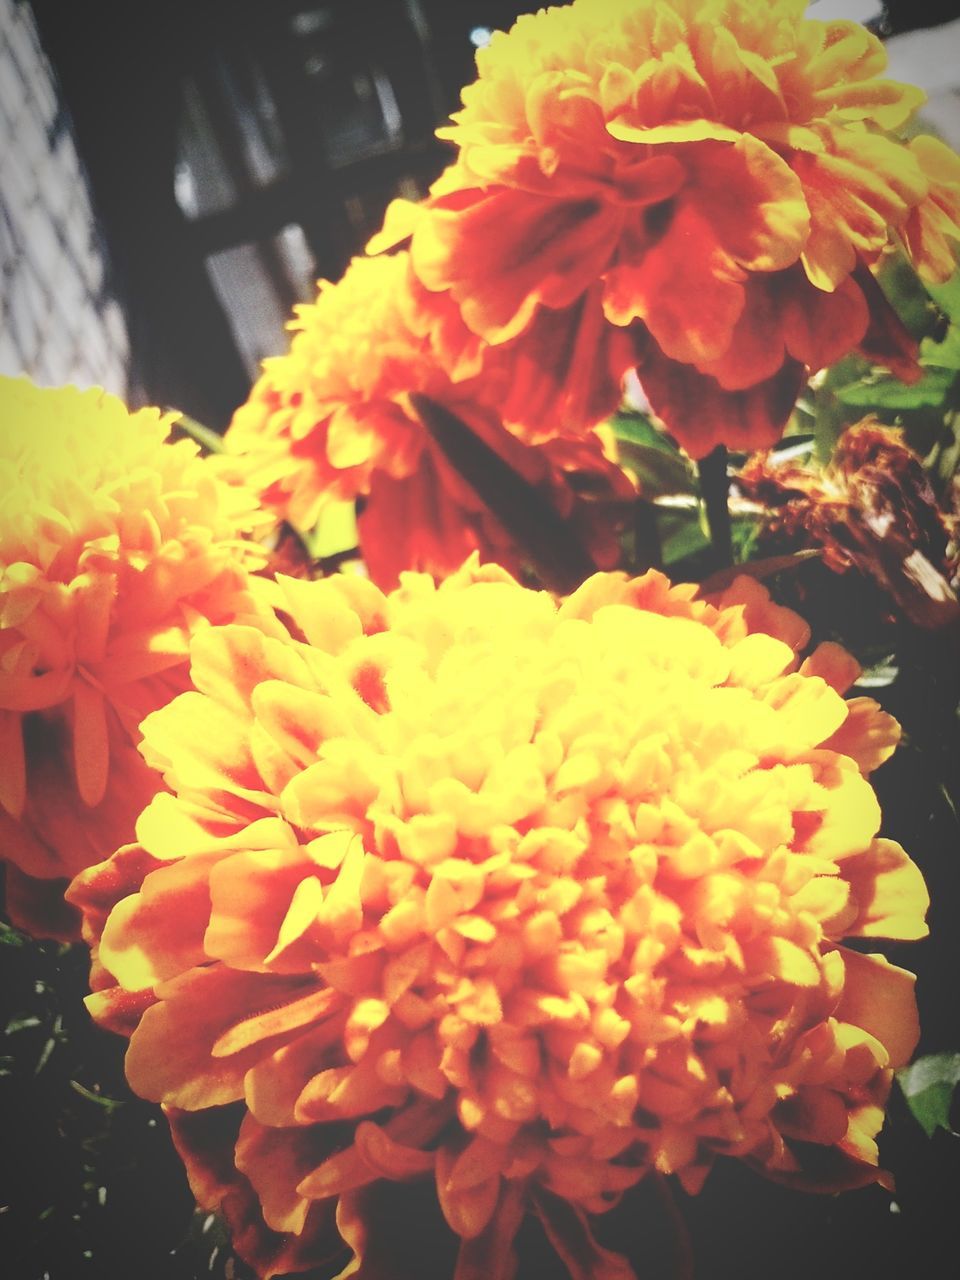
{"x": 22, "y": 1024}
{"x": 107, "y": 1103}
{"x": 681, "y": 533}
{"x": 928, "y": 1087}
{"x": 652, "y": 456}
{"x": 10, "y": 937}
{"x": 830, "y": 417}
{"x": 637, "y": 428}
{"x": 891, "y": 393}
{"x": 942, "y": 355}
{"x": 878, "y": 675}
{"x": 947, "y": 296}
{"x": 334, "y": 532}
{"x": 657, "y": 472}
{"x": 908, "y": 295}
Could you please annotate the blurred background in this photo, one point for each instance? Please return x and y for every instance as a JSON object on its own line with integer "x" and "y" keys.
{"x": 176, "y": 176}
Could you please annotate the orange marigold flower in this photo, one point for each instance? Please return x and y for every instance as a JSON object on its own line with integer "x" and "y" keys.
{"x": 114, "y": 547}
{"x": 332, "y": 419}
{"x": 718, "y": 173}
{"x": 459, "y": 884}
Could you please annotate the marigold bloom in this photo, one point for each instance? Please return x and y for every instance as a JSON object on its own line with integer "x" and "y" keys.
{"x": 723, "y": 173}
{"x": 332, "y": 419}
{"x": 114, "y": 547}
{"x": 459, "y": 884}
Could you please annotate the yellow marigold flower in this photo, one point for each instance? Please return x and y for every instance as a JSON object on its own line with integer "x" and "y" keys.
{"x": 528, "y": 899}
{"x": 723, "y": 171}
{"x": 332, "y": 419}
{"x": 114, "y": 547}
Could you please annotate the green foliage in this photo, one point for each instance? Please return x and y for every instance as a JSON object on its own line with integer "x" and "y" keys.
{"x": 877, "y": 393}
{"x": 927, "y": 409}
{"x": 928, "y": 1086}
{"x": 334, "y": 533}
{"x": 661, "y": 469}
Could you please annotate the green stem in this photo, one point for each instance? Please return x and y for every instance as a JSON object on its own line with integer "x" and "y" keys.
{"x": 715, "y": 490}
{"x": 209, "y": 440}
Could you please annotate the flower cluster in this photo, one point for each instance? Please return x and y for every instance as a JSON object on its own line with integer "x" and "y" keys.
{"x": 115, "y": 544}
{"x": 333, "y": 419}
{"x": 710, "y": 179}
{"x": 530, "y": 899}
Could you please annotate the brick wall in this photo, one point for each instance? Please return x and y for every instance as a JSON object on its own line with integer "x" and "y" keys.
{"x": 60, "y": 322}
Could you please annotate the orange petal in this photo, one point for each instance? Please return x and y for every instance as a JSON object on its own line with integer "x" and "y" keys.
{"x": 510, "y": 250}
{"x": 685, "y": 289}
{"x": 489, "y": 1255}
{"x": 569, "y": 1232}
{"x": 808, "y": 710}
{"x": 205, "y": 1142}
{"x": 91, "y": 752}
{"x": 820, "y": 328}
{"x": 866, "y": 184}
{"x": 274, "y": 1084}
{"x": 468, "y": 1210}
{"x": 780, "y": 958}
{"x": 277, "y": 1160}
{"x": 34, "y": 693}
{"x": 344, "y": 1171}
{"x": 170, "y": 1058}
{"x": 813, "y": 1115}
{"x": 761, "y": 614}
{"x": 281, "y": 1019}
{"x": 250, "y": 894}
{"x": 889, "y": 893}
{"x": 13, "y": 771}
{"x": 935, "y": 221}
{"x": 868, "y": 736}
{"x": 389, "y": 1158}
{"x": 156, "y": 933}
{"x": 878, "y": 996}
{"x": 117, "y": 1010}
{"x": 229, "y": 662}
{"x": 98, "y": 888}
{"x": 754, "y": 201}
{"x": 849, "y": 811}
{"x": 832, "y": 663}
{"x": 696, "y": 409}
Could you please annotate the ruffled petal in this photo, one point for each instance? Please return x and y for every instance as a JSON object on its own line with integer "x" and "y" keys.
{"x": 194, "y": 1011}
{"x": 889, "y": 893}
{"x": 878, "y": 997}
{"x": 696, "y": 409}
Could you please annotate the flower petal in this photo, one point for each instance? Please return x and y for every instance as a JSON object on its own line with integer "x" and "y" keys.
{"x": 889, "y": 893}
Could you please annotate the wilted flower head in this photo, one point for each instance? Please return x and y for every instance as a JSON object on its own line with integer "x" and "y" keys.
{"x": 332, "y": 419}
{"x": 872, "y": 510}
{"x": 114, "y": 546}
{"x": 716, "y": 176}
{"x": 457, "y": 884}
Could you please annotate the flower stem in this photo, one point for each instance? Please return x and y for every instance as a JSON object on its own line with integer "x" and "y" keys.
{"x": 715, "y": 489}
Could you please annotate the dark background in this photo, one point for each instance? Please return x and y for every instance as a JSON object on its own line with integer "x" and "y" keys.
{"x": 208, "y": 127}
